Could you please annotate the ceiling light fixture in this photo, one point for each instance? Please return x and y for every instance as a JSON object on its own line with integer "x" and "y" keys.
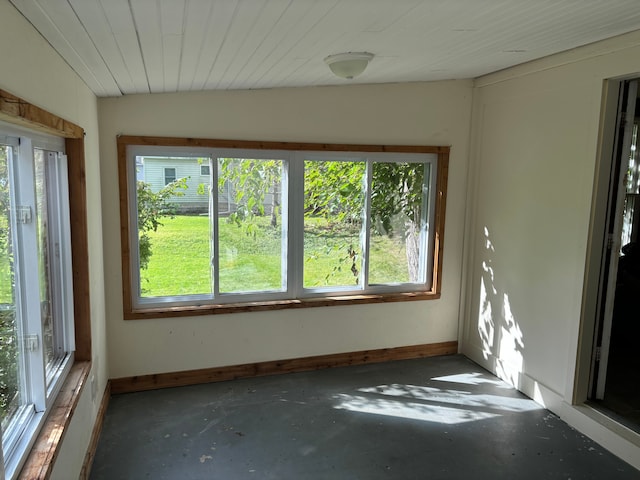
{"x": 348, "y": 65}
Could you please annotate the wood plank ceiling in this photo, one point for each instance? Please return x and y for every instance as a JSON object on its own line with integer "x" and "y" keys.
{"x": 147, "y": 46}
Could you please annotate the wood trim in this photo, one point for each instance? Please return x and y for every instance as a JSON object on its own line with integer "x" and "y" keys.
{"x": 95, "y": 435}
{"x": 41, "y": 459}
{"x": 125, "y": 253}
{"x": 259, "y": 145}
{"x": 18, "y": 111}
{"x": 439, "y": 220}
{"x": 140, "y": 313}
{"x": 220, "y": 374}
{"x": 214, "y": 309}
{"x": 79, "y": 247}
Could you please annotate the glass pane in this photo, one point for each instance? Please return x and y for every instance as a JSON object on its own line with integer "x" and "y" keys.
{"x": 333, "y": 213}
{"x": 174, "y": 233}
{"x": 9, "y": 354}
{"x": 250, "y": 225}
{"x": 44, "y": 267}
{"x": 398, "y": 201}
{"x": 631, "y": 203}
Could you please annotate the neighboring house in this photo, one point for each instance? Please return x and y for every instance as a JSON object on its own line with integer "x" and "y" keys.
{"x": 160, "y": 171}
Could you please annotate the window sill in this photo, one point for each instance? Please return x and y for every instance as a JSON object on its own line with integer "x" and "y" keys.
{"x": 213, "y": 309}
{"x": 41, "y": 459}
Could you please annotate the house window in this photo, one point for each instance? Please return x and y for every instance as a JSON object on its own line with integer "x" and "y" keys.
{"x": 282, "y": 226}
{"x": 36, "y": 293}
{"x": 169, "y": 175}
{"x": 205, "y": 171}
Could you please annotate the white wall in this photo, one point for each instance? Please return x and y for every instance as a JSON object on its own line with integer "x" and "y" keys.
{"x": 427, "y": 114}
{"x": 533, "y": 157}
{"x": 33, "y": 71}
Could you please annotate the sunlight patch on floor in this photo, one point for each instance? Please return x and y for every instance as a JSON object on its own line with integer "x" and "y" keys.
{"x": 409, "y": 410}
{"x": 455, "y": 397}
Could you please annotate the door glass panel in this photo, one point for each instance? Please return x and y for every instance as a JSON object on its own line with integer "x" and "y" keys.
{"x": 250, "y": 225}
{"x": 632, "y": 192}
{"x": 10, "y": 391}
{"x": 333, "y": 214}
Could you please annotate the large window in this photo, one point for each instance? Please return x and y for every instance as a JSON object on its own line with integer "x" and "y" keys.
{"x": 36, "y": 298}
{"x": 292, "y": 225}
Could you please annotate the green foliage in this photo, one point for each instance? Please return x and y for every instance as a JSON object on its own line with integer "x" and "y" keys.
{"x": 181, "y": 262}
{"x": 8, "y": 359}
{"x": 396, "y": 188}
{"x": 152, "y": 207}
{"x": 8, "y": 347}
{"x": 334, "y": 190}
{"x": 253, "y": 180}
{"x": 6, "y": 257}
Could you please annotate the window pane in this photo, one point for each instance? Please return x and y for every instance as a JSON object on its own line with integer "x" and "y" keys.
{"x": 333, "y": 213}
{"x": 169, "y": 175}
{"x": 174, "y": 233}
{"x": 399, "y": 192}
{"x": 250, "y": 225}
{"x": 44, "y": 267}
{"x": 9, "y": 353}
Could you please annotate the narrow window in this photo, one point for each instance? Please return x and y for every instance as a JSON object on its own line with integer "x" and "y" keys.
{"x": 169, "y": 175}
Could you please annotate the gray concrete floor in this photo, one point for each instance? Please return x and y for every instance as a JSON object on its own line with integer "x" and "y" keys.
{"x": 434, "y": 418}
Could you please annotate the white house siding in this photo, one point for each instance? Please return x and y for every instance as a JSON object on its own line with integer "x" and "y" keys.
{"x": 152, "y": 171}
{"x": 189, "y": 168}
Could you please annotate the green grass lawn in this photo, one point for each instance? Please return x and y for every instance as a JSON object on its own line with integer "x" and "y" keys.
{"x": 250, "y": 260}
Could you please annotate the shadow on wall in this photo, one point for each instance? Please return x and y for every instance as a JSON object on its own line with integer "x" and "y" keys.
{"x": 500, "y": 334}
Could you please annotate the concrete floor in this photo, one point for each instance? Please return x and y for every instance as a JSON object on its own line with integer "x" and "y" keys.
{"x": 434, "y": 418}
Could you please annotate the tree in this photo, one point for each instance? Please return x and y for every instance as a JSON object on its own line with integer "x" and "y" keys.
{"x": 335, "y": 190}
{"x": 252, "y": 180}
{"x": 397, "y": 193}
{"x": 8, "y": 346}
{"x": 5, "y": 254}
{"x": 152, "y": 207}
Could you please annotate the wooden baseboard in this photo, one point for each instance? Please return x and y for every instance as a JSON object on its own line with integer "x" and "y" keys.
{"x": 95, "y": 435}
{"x": 219, "y": 374}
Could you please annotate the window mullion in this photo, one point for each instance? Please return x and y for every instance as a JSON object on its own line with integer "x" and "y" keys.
{"x": 296, "y": 224}
{"x": 134, "y": 245}
{"x": 285, "y": 242}
{"x": 426, "y": 219}
{"x": 29, "y": 279}
{"x": 213, "y": 226}
{"x": 366, "y": 225}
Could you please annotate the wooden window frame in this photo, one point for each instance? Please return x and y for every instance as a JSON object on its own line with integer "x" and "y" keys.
{"x": 132, "y": 312}
{"x": 15, "y": 110}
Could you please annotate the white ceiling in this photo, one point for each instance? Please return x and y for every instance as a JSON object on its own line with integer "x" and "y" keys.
{"x": 141, "y": 46}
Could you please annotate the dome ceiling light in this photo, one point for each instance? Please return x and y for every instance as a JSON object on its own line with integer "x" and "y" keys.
{"x": 348, "y": 65}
